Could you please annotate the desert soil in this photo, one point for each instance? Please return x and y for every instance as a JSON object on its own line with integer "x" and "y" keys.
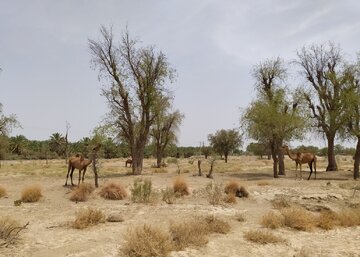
{"x": 49, "y": 233}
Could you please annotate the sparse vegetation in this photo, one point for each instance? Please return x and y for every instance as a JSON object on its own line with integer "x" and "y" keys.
{"x": 169, "y": 196}
{"x": 113, "y": 191}
{"x": 232, "y": 187}
{"x": 281, "y": 202}
{"x": 262, "y": 237}
{"x": 230, "y": 198}
{"x": 299, "y": 218}
{"x": 328, "y": 220}
{"x": 31, "y": 194}
{"x": 216, "y": 225}
{"x": 240, "y": 217}
{"x": 82, "y": 192}
{"x": 214, "y": 193}
{"x": 2, "y": 191}
{"x": 146, "y": 241}
{"x": 180, "y": 186}
{"x": 88, "y": 217}
{"x": 272, "y": 220}
{"x": 9, "y": 231}
{"x": 142, "y": 191}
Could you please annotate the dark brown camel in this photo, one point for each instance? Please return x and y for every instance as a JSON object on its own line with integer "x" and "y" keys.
{"x": 301, "y": 158}
{"x": 80, "y": 163}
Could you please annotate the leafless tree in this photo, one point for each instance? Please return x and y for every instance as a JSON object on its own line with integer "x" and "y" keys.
{"x": 134, "y": 87}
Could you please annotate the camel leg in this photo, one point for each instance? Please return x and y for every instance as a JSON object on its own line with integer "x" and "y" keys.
{"x": 71, "y": 175}
{"x": 311, "y": 170}
{"x": 67, "y": 176}
{"x": 79, "y": 176}
{"x": 300, "y": 171}
{"x": 296, "y": 171}
{"x": 315, "y": 167}
{"x": 83, "y": 176}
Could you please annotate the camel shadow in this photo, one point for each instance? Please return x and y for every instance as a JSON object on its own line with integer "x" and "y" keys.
{"x": 252, "y": 176}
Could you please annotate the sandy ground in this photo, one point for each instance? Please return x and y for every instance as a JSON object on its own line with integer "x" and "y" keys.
{"x": 49, "y": 235}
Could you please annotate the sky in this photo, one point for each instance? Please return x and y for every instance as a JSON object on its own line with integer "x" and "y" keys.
{"x": 47, "y": 79}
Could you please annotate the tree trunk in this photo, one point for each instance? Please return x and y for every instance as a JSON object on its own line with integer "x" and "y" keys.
{"x": 94, "y": 163}
{"x": 211, "y": 170}
{"x": 275, "y": 160}
{"x": 158, "y": 159}
{"x": 332, "y": 166}
{"x": 357, "y": 159}
{"x": 199, "y": 167}
{"x": 226, "y": 157}
{"x": 137, "y": 162}
{"x": 280, "y": 155}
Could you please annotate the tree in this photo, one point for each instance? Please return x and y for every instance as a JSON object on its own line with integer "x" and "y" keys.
{"x": 258, "y": 149}
{"x": 324, "y": 70}
{"x": 352, "y": 111}
{"x": 7, "y": 123}
{"x": 163, "y": 132}
{"x": 135, "y": 78}
{"x": 273, "y": 117}
{"x": 57, "y": 144}
{"x": 225, "y": 141}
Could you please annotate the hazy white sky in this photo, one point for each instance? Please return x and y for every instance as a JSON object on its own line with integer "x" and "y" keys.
{"x": 47, "y": 79}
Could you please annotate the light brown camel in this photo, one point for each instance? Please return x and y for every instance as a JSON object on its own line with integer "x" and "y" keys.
{"x": 80, "y": 163}
{"x": 128, "y": 161}
{"x": 301, "y": 158}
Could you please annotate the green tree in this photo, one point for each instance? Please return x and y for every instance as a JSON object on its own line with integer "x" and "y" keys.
{"x": 324, "y": 69}
{"x": 273, "y": 117}
{"x": 163, "y": 131}
{"x": 57, "y": 144}
{"x": 225, "y": 141}
{"x": 135, "y": 78}
{"x": 258, "y": 149}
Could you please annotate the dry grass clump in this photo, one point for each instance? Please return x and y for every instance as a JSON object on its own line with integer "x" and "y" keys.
{"x": 242, "y": 192}
{"x": 146, "y": 241}
{"x": 2, "y": 191}
{"x": 272, "y": 220}
{"x": 169, "y": 196}
{"x": 9, "y": 231}
{"x": 88, "y": 217}
{"x": 281, "y": 202}
{"x": 240, "y": 217}
{"x": 262, "y": 237}
{"x": 142, "y": 191}
{"x": 299, "y": 218}
{"x": 216, "y": 225}
{"x": 214, "y": 193}
{"x": 82, "y": 192}
{"x": 349, "y": 217}
{"x": 113, "y": 191}
{"x": 180, "y": 186}
{"x": 188, "y": 233}
{"x": 232, "y": 187}
{"x": 328, "y": 220}
{"x": 230, "y": 198}
{"x": 31, "y": 194}
{"x": 194, "y": 232}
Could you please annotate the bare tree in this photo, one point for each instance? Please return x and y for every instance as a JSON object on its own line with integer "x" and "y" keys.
{"x": 135, "y": 78}
{"x": 323, "y": 68}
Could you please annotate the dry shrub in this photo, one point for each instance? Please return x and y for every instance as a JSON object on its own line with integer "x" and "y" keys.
{"x": 2, "y": 191}
{"x": 281, "y": 202}
{"x": 169, "y": 196}
{"x": 328, "y": 220}
{"x": 214, "y": 193}
{"x": 31, "y": 194}
{"x": 232, "y": 187}
{"x": 142, "y": 192}
{"x": 262, "y": 237}
{"x": 243, "y": 192}
{"x": 216, "y": 225}
{"x": 113, "y": 191}
{"x": 272, "y": 220}
{"x": 82, "y": 192}
{"x": 9, "y": 231}
{"x": 88, "y": 217}
{"x": 349, "y": 217}
{"x": 230, "y": 198}
{"x": 299, "y": 218}
{"x": 146, "y": 241}
{"x": 180, "y": 186}
{"x": 188, "y": 233}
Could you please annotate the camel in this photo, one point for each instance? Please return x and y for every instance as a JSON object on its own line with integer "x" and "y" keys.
{"x": 128, "y": 161}
{"x": 301, "y": 158}
{"x": 80, "y": 163}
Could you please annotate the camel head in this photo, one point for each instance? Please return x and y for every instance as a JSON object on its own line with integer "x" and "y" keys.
{"x": 284, "y": 148}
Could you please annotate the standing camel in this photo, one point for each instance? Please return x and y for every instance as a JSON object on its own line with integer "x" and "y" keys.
{"x": 301, "y": 158}
{"x": 80, "y": 163}
{"x": 128, "y": 161}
